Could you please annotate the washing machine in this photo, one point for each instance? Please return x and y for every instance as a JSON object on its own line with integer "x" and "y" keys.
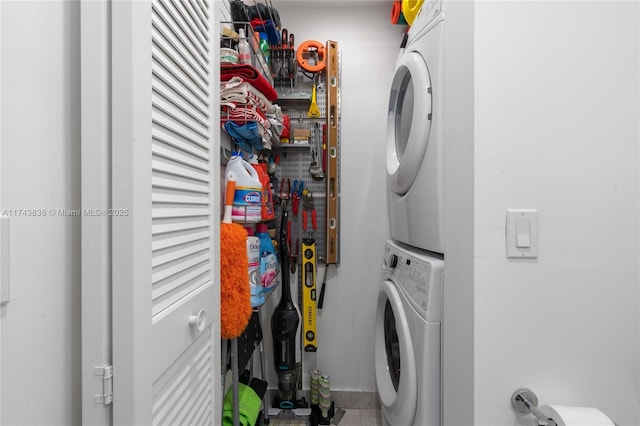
{"x": 414, "y": 138}
{"x": 408, "y": 337}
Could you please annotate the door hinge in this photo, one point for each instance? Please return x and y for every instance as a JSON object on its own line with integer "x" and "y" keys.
{"x": 106, "y": 372}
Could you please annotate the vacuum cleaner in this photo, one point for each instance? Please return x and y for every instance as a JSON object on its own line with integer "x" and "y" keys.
{"x": 284, "y": 325}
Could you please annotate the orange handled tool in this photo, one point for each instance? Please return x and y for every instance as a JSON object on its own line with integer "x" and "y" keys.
{"x": 311, "y": 49}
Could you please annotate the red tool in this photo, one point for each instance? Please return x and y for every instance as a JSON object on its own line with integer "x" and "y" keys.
{"x": 307, "y": 206}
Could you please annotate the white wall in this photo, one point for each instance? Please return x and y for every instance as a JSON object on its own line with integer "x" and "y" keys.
{"x": 40, "y": 139}
{"x": 458, "y": 315}
{"x": 369, "y": 45}
{"x": 556, "y": 129}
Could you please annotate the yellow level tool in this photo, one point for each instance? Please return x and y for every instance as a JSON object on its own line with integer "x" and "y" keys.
{"x": 333, "y": 119}
{"x": 309, "y": 295}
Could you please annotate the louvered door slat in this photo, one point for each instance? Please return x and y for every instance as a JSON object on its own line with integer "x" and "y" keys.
{"x": 174, "y": 19}
{"x": 178, "y": 114}
{"x": 187, "y": 40}
{"x": 176, "y": 88}
{"x": 169, "y": 211}
{"x": 184, "y": 381}
{"x": 203, "y": 9}
{"x": 201, "y": 12}
{"x": 191, "y": 405}
{"x": 178, "y": 266}
{"x": 164, "y": 226}
{"x": 167, "y": 12}
{"x": 170, "y": 147}
{"x": 168, "y": 66}
{"x": 181, "y": 251}
{"x": 168, "y": 86}
{"x": 174, "y": 239}
{"x": 161, "y": 195}
{"x": 170, "y": 45}
{"x": 162, "y": 180}
{"x": 173, "y": 168}
{"x": 177, "y": 133}
{"x": 167, "y": 296}
{"x": 180, "y": 102}
{"x": 193, "y": 20}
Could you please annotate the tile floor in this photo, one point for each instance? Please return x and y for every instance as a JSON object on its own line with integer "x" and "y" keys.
{"x": 361, "y": 417}
{"x": 352, "y": 417}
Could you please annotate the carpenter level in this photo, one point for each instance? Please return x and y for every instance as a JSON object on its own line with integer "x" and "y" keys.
{"x": 333, "y": 118}
{"x": 309, "y": 295}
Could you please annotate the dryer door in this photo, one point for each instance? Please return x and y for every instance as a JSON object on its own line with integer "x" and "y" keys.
{"x": 408, "y": 121}
{"x": 396, "y": 374}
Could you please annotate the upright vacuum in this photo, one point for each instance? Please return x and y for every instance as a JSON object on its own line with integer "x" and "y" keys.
{"x": 284, "y": 325}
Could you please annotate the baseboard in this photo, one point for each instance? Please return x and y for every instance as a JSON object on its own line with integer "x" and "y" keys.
{"x": 361, "y": 400}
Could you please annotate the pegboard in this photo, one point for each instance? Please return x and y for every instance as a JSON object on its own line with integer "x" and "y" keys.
{"x": 295, "y": 159}
{"x": 294, "y": 164}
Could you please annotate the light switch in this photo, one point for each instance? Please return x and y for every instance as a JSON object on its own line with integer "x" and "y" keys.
{"x": 522, "y": 234}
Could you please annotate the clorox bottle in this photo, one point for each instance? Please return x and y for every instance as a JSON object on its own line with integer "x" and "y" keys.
{"x": 268, "y": 212}
{"x": 247, "y": 201}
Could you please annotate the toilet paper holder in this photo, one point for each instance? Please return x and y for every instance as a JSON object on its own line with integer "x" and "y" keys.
{"x": 525, "y": 401}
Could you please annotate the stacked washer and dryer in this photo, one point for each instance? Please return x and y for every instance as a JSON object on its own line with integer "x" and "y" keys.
{"x": 409, "y": 309}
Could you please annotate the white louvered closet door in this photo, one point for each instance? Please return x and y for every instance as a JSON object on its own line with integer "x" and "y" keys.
{"x": 165, "y": 253}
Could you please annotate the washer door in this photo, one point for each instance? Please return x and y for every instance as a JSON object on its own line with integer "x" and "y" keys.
{"x": 396, "y": 374}
{"x": 408, "y": 121}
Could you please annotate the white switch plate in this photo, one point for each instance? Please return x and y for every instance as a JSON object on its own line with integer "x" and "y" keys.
{"x": 517, "y": 221}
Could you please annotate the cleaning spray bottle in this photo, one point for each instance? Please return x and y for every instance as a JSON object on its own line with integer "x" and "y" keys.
{"x": 284, "y": 324}
{"x": 244, "y": 55}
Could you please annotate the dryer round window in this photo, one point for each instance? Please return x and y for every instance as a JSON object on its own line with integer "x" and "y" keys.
{"x": 409, "y": 121}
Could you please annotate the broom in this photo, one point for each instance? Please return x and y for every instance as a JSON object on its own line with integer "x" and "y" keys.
{"x": 235, "y": 297}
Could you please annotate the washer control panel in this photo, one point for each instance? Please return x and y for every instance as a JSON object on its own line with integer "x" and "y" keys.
{"x": 419, "y": 275}
{"x": 415, "y": 278}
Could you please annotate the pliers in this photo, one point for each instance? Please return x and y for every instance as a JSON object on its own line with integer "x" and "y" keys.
{"x": 308, "y": 206}
{"x": 296, "y": 193}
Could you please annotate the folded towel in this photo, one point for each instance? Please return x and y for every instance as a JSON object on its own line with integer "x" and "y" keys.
{"x": 238, "y": 91}
{"x": 248, "y": 406}
{"x": 241, "y": 115}
{"x": 250, "y": 75}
